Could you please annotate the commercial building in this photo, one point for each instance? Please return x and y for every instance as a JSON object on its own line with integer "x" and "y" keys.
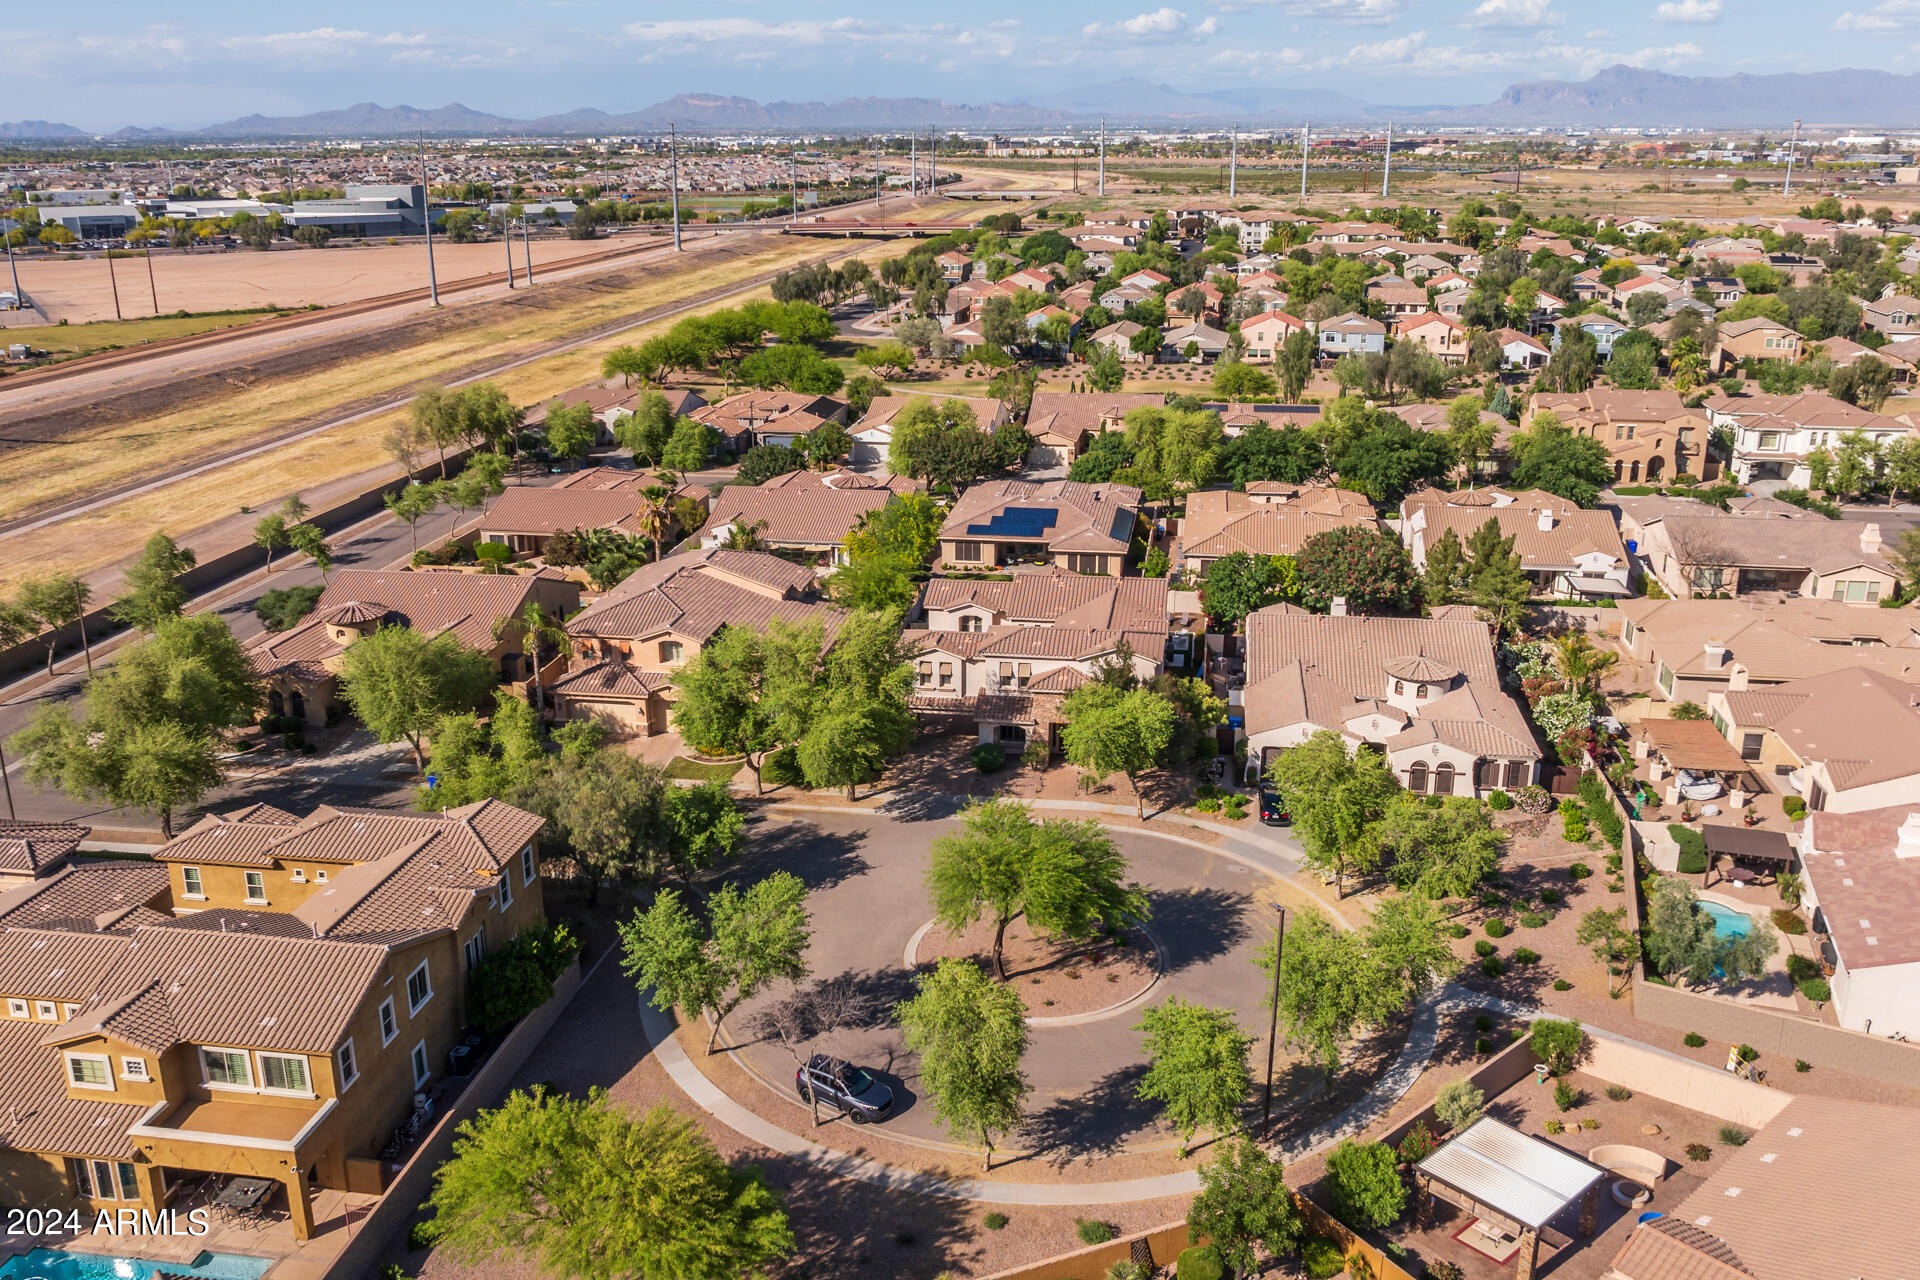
{"x": 365, "y": 212}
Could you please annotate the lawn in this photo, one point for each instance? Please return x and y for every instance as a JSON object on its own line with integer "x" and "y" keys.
{"x": 696, "y": 771}
{"x": 108, "y": 335}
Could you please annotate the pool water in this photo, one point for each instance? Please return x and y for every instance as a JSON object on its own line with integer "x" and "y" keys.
{"x": 1727, "y": 922}
{"x": 58, "y": 1264}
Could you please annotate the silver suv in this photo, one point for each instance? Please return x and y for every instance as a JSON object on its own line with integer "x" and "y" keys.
{"x": 854, "y": 1090}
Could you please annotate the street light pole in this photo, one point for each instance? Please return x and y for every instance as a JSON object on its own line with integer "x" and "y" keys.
{"x": 506, "y": 238}
{"x": 673, "y": 177}
{"x": 1792, "y": 146}
{"x": 1386, "y": 174}
{"x": 426, "y": 224}
{"x": 526, "y": 247}
{"x": 1273, "y": 1026}
{"x": 1306, "y": 140}
{"x": 1233, "y": 162}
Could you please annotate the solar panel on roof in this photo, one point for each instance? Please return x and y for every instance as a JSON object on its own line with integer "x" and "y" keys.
{"x": 1018, "y": 522}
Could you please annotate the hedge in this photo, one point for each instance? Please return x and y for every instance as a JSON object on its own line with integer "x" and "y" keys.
{"x": 1693, "y": 848}
{"x": 1600, "y": 808}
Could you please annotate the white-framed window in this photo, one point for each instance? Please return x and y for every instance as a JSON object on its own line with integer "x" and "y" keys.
{"x": 299, "y": 875}
{"x": 256, "y": 887}
{"x": 347, "y": 1064}
{"x": 419, "y": 988}
{"x": 226, "y": 1068}
{"x": 671, "y": 651}
{"x": 190, "y": 883}
{"x": 104, "y": 1179}
{"x": 16, "y": 1008}
{"x": 46, "y": 1011}
{"x": 475, "y": 950}
{"x": 285, "y": 1073}
{"x": 389, "y": 1025}
{"x": 90, "y": 1071}
{"x": 527, "y": 868}
{"x": 319, "y": 875}
{"x": 420, "y": 1071}
{"x": 506, "y": 888}
{"x": 134, "y": 1069}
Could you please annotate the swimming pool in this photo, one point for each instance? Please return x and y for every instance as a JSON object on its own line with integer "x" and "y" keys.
{"x": 58, "y": 1264}
{"x": 1727, "y": 922}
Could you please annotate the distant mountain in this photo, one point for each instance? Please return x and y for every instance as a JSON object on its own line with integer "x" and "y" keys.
{"x": 367, "y": 120}
{"x": 37, "y": 131}
{"x": 1622, "y": 95}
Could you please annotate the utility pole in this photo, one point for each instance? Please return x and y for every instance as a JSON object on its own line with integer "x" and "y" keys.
{"x": 152, "y": 288}
{"x": 1103, "y": 155}
{"x": 114, "y": 283}
{"x": 913, "y": 164}
{"x": 1233, "y": 162}
{"x": 426, "y": 223}
{"x": 19, "y": 299}
{"x": 1306, "y": 141}
{"x": 526, "y": 246}
{"x": 673, "y": 178}
{"x": 1386, "y": 174}
{"x": 506, "y": 238}
{"x": 793, "y": 182}
{"x": 1273, "y": 1024}
{"x": 1792, "y": 146}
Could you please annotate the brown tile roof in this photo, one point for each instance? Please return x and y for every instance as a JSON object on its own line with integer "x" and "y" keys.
{"x": 1058, "y": 597}
{"x": 86, "y": 897}
{"x": 1221, "y": 521}
{"x": 610, "y": 679}
{"x": 1670, "y": 1248}
{"x": 884, "y": 409}
{"x": 1869, "y": 894}
{"x": 798, "y": 516}
{"x": 696, "y": 594}
{"x": 844, "y": 480}
{"x": 36, "y": 847}
{"x": 1068, "y": 644}
{"x": 1815, "y": 546}
{"x": 1816, "y": 1192}
{"x": 1575, "y": 531}
{"x": 1607, "y": 404}
{"x": 1068, "y": 413}
{"x": 1778, "y": 640}
{"x": 53, "y": 964}
{"x": 1862, "y": 723}
{"x": 778, "y": 411}
{"x": 1087, "y": 517}
{"x": 39, "y": 1116}
{"x": 524, "y": 509}
{"x": 483, "y": 836}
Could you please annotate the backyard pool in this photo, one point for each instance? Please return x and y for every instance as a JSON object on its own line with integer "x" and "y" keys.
{"x": 1727, "y": 922}
{"x": 58, "y": 1264}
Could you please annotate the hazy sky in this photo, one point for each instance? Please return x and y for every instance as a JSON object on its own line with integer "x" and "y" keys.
{"x": 114, "y": 62}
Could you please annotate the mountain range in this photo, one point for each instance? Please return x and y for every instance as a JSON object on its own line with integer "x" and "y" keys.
{"x": 1614, "y": 96}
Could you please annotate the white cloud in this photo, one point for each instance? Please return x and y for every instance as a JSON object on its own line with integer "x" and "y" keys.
{"x": 1689, "y": 11}
{"x": 1356, "y": 12}
{"x": 1412, "y": 53}
{"x": 1515, "y": 14}
{"x": 1888, "y": 15}
{"x": 1163, "y": 23}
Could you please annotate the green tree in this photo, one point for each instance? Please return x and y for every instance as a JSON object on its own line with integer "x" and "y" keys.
{"x": 1244, "y": 1207}
{"x": 1554, "y": 459}
{"x": 1335, "y": 795}
{"x": 747, "y": 692}
{"x": 1472, "y": 437}
{"x": 1681, "y": 940}
{"x": 58, "y": 600}
{"x": 1458, "y": 1104}
{"x": 765, "y": 462}
{"x": 1064, "y": 877}
{"x": 1613, "y": 945}
{"x": 1497, "y": 580}
{"x": 1238, "y": 584}
{"x": 1293, "y": 365}
{"x": 1364, "y": 566}
{"x": 704, "y": 827}
{"x": 269, "y": 533}
{"x": 1442, "y": 853}
{"x": 1196, "y": 1066}
{"x": 153, "y": 590}
{"x": 1106, "y": 372}
{"x": 282, "y": 608}
{"x": 747, "y": 942}
{"x": 585, "y": 1190}
{"x": 399, "y": 683}
{"x": 826, "y": 444}
{"x": 481, "y": 481}
{"x": 1325, "y": 991}
{"x": 885, "y": 552}
{"x": 412, "y": 504}
{"x": 859, "y": 716}
{"x": 309, "y": 541}
{"x": 435, "y": 413}
{"x": 887, "y": 359}
{"x": 646, "y": 430}
{"x": 571, "y": 430}
{"x": 1239, "y": 381}
{"x": 1108, "y": 732}
{"x": 796, "y": 368}
{"x": 691, "y": 446}
{"x": 1444, "y": 579}
{"x": 1557, "y": 1043}
{"x": 1364, "y": 1184}
{"x": 970, "y": 1033}
{"x": 1391, "y": 459}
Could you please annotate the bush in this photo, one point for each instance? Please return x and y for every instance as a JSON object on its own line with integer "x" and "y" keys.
{"x": 1550, "y": 897}
{"x": 1458, "y": 1104}
{"x": 1533, "y": 798}
{"x": 1747, "y": 1052}
{"x": 1364, "y": 1185}
{"x": 1565, "y": 1096}
{"x": 1456, "y": 930}
{"x": 1496, "y": 928}
{"x": 1816, "y": 990}
{"x": 1693, "y": 848}
{"x": 420, "y": 1235}
{"x": 1619, "y": 1092}
{"x": 782, "y": 769}
{"x": 1695, "y": 1040}
{"x": 493, "y": 553}
{"x": 1200, "y": 1263}
{"x": 1483, "y": 948}
{"x": 1580, "y": 870}
{"x": 1483, "y": 1046}
{"x": 1482, "y": 1023}
{"x": 1801, "y": 968}
{"x": 1418, "y": 1144}
{"x": 995, "y": 1221}
{"x": 1588, "y": 1122}
{"x": 1093, "y": 1231}
{"x": 1533, "y": 920}
{"x": 1788, "y": 921}
{"x": 1499, "y": 800}
{"x": 1558, "y": 1043}
{"x": 1699, "y": 1151}
{"x": 1037, "y": 755}
{"x": 1555, "y": 1128}
{"x": 516, "y": 979}
{"x": 1322, "y": 1258}
{"x": 1732, "y": 1135}
{"x": 1561, "y": 984}
{"x": 1441, "y": 1269}
{"x": 1526, "y": 955}
{"x": 988, "y": 757}
{"x": 1802, "y": 1065}
{"x": 1795, "y": 808}
{"x": 1492, "y": 967}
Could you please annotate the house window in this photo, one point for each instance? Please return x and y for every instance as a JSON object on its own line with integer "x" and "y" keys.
{"x": 420, "y": 1069}
{"x": 104, "y": 1179}
{"x": 926, "y": 674}
{"x": 190, "y": 882}
{"x": 946, "y": 675}
{"x": 526, "y": 863}
{"x": 1817, "y": 797}
{"x": 1399, "y": 687}
{"x": 476, "y": 951}
{"x": 1419, "y": 692}
{"x": 256, "y": 887}
{"x": 1665, "y": 679}
{"x": 1417, "y": 778}
{"x": 1750, "y": 744}
{"x": 968, "y": 551}
{"x": 1025, "y": 674}
{"x": 284, "y": 1073}
{"x": 1619, "y": 432}
{"x": 46, "y": 1011}
{"x": 226, "y": 1069}
{"x": 419, "y": 988}
{"x": 506, "y": 888}
{"x": 349, "y": 1067}
{"x": 1769, "y": 441}
{"x": 320, "y": 876}
{"x": 389, "y": 1025}
{"x": 1443, "y": 779}
{"x": 16, "y": 1008}
{"x": 89, "y": 1071}
{"x": 1006, "y": 674}
{"x": 670, "y": 651}
{"x": 133, "y": 1069}
{"x": 972, "y": 622}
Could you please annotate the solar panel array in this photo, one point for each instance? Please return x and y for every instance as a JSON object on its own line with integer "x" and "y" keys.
{"x": 1018, "y": 523}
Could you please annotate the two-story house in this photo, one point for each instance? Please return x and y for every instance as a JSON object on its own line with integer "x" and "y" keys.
{"x": 1647, "y": 434}
{"x": 1696, "y": 648}
{"x": 1566, "y": 550}
{"x": 1755, "y": 338}
{"x": 1083, "y": 527}
{"x": 1351, "y": 334}
{"x": 1267, "y": 332}
{"x": 1444, "y": 339}
{"x": 1266, "y": 519}
{"x": 1775, "y": 436}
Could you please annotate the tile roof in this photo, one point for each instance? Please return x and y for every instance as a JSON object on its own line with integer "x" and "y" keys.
{"x": 1221, "y": 521}
{"x": 1816, "y": 546}
{"x": 1058, "y": 597}
{"x": 1671, "y": 1248}
{"x": 1068, "y": 413}
{"x": 86, "y": 897}
{"x": 39, "y": 1116}
{"x": 1778, "y": 640}
{"x": 778, "y": 411}
{"x": 797, "y": 516}
{"x": 1087, "y": 517}
{"x": 54, "y": 964}
{"x": 610, "y": 679}
{"x": 35, "y": 847}
{"x": 1607, "y": 404}
{"x": 1066, "y": 644}
{"x": 844, "y": 479}
{"x": 1574, "y": 531}
{"x": 694, "y": 595}
{"x": 1869, "y": 894}
{"x": 1861, "y": 722}
{"x": 525, "y": 509}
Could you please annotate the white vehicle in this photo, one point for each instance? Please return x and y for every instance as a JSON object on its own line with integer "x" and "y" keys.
{"x": 1699, "y": 786}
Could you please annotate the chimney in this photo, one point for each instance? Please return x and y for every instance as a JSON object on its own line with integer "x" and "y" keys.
{"x": 1909, "y": 843}
{"x": 1738, "y": 679}
{"x": 1339, "y": 607}
{"x": 1869, "y": 538}
{"x": 1717, "y": 654}
{"x": 1546, "y": 520}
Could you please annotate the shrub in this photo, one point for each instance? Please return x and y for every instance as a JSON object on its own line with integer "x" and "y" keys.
{"x": 1619, "y": 1092}
{"x": 1526, "y": 955}
{"x": 988, "y": 757}
{"x": 1589, "y": 1123}
{"x": 493, "y": 553}
{"x": 1037, "y": 755}
{"x": 994, "y": 1221}
{"x": 1093, "y": 1231}
{"x": 1580, "y": 870}
{"x": 1458, "y": 1104}
{"x": 1695, "y": 1040}
{"x": 1565, "y": 1096}
{"x": 1492, "y": 967}
{"x": 1533, "y": 920}
{"x": 1482, "y": 1023}
{"x": 1693, "y": 848}
{"x": 1456, "y": 930}
{"x": 1802, "y": 1065}
{"x": 420, "y": 1235}
{"x": 1533, "y": 798}
{"x": 1483, "y": 948}
{"x": 1364, "y": 1186}
{"x": 1816, "y": 990}
{"x": 782, "y": 769}
{"x": 1418, "y": 1144}
{"x": 1499, "y": 800}
{"x": 1788, "y": 921}
{"x": 1613, "y": 862}
{"x": 518, "y": 977}
{"x": 1699, "y": 1151}
{"x": 1561, "y": 984}
{"x": 1795, "y": 807}
{"x": 1441, "y": 1269}
{"x": 1322, "y": 1258}
{"x": 1557, "y": 1043}
{"x": 1747, "y": 1052}
{"x": 1483, "y": 1046}
{"x": 1550, "y": 897}
{"x": 1732, "y": 1135}
{"x": 1518, "y": 1033}
{"x": 1556, "y": 1127}
{"x": 1801, "y": 968}
{"x": 1200, "y": 1263}
{"x": 1496, "y": 928}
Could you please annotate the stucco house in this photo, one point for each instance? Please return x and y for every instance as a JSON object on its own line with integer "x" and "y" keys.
{"x": 1083, "y": 527}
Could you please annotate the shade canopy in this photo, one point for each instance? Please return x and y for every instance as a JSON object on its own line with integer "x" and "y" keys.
{"x": 1694, "y": 745}
{"x": 1524, "y": 1178}
{"x": 1744, "y": 842}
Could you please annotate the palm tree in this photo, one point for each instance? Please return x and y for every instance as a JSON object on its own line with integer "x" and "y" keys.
{"x": 744, "y": 535}
{"x": 1790, "y": 886}
{"x": 536, "y": 626}
{"x": 1580, "y": 664}
{"x": 656, "y": 517}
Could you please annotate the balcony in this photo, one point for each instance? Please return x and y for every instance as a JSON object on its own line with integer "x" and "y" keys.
{"x": 222, "y": 1123}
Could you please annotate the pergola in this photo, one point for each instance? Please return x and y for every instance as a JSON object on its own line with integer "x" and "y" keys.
{"x": 1516, "y": 1182}
{"x": 1771, "y": 849}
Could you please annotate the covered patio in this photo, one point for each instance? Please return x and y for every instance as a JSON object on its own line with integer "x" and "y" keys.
{"x": 1696, "y": 746}
{"x": 1514, "y": 1186}
{"x": 1747, "y": 853}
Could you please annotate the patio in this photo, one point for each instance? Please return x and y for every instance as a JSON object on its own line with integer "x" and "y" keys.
{"x": 1514, "y": 1186}
{"x": 1661, "y": 748}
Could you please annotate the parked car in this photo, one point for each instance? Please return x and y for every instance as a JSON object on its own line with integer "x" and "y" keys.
{"x": 1699, "y": 786}
{"x": 1273, "y": 811}
{"x": 854, "y": 1090}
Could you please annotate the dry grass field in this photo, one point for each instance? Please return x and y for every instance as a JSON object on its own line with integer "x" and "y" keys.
{"x": 108, "y": 335}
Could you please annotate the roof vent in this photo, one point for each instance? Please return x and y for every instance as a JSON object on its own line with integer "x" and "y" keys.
{"x": 1546, "y": 520}
{"x": 1339, "y": 607}
{"x": 1909, "y": 842}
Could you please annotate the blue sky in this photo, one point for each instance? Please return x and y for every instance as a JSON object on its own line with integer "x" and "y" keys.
{"x": 126, "y": 62}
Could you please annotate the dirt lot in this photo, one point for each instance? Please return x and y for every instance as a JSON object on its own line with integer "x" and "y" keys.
{"x": 77, "y": 290}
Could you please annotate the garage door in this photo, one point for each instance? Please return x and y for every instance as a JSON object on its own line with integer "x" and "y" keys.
{"x": 1046, "y": 456}
{"x": 867, "y": 455}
